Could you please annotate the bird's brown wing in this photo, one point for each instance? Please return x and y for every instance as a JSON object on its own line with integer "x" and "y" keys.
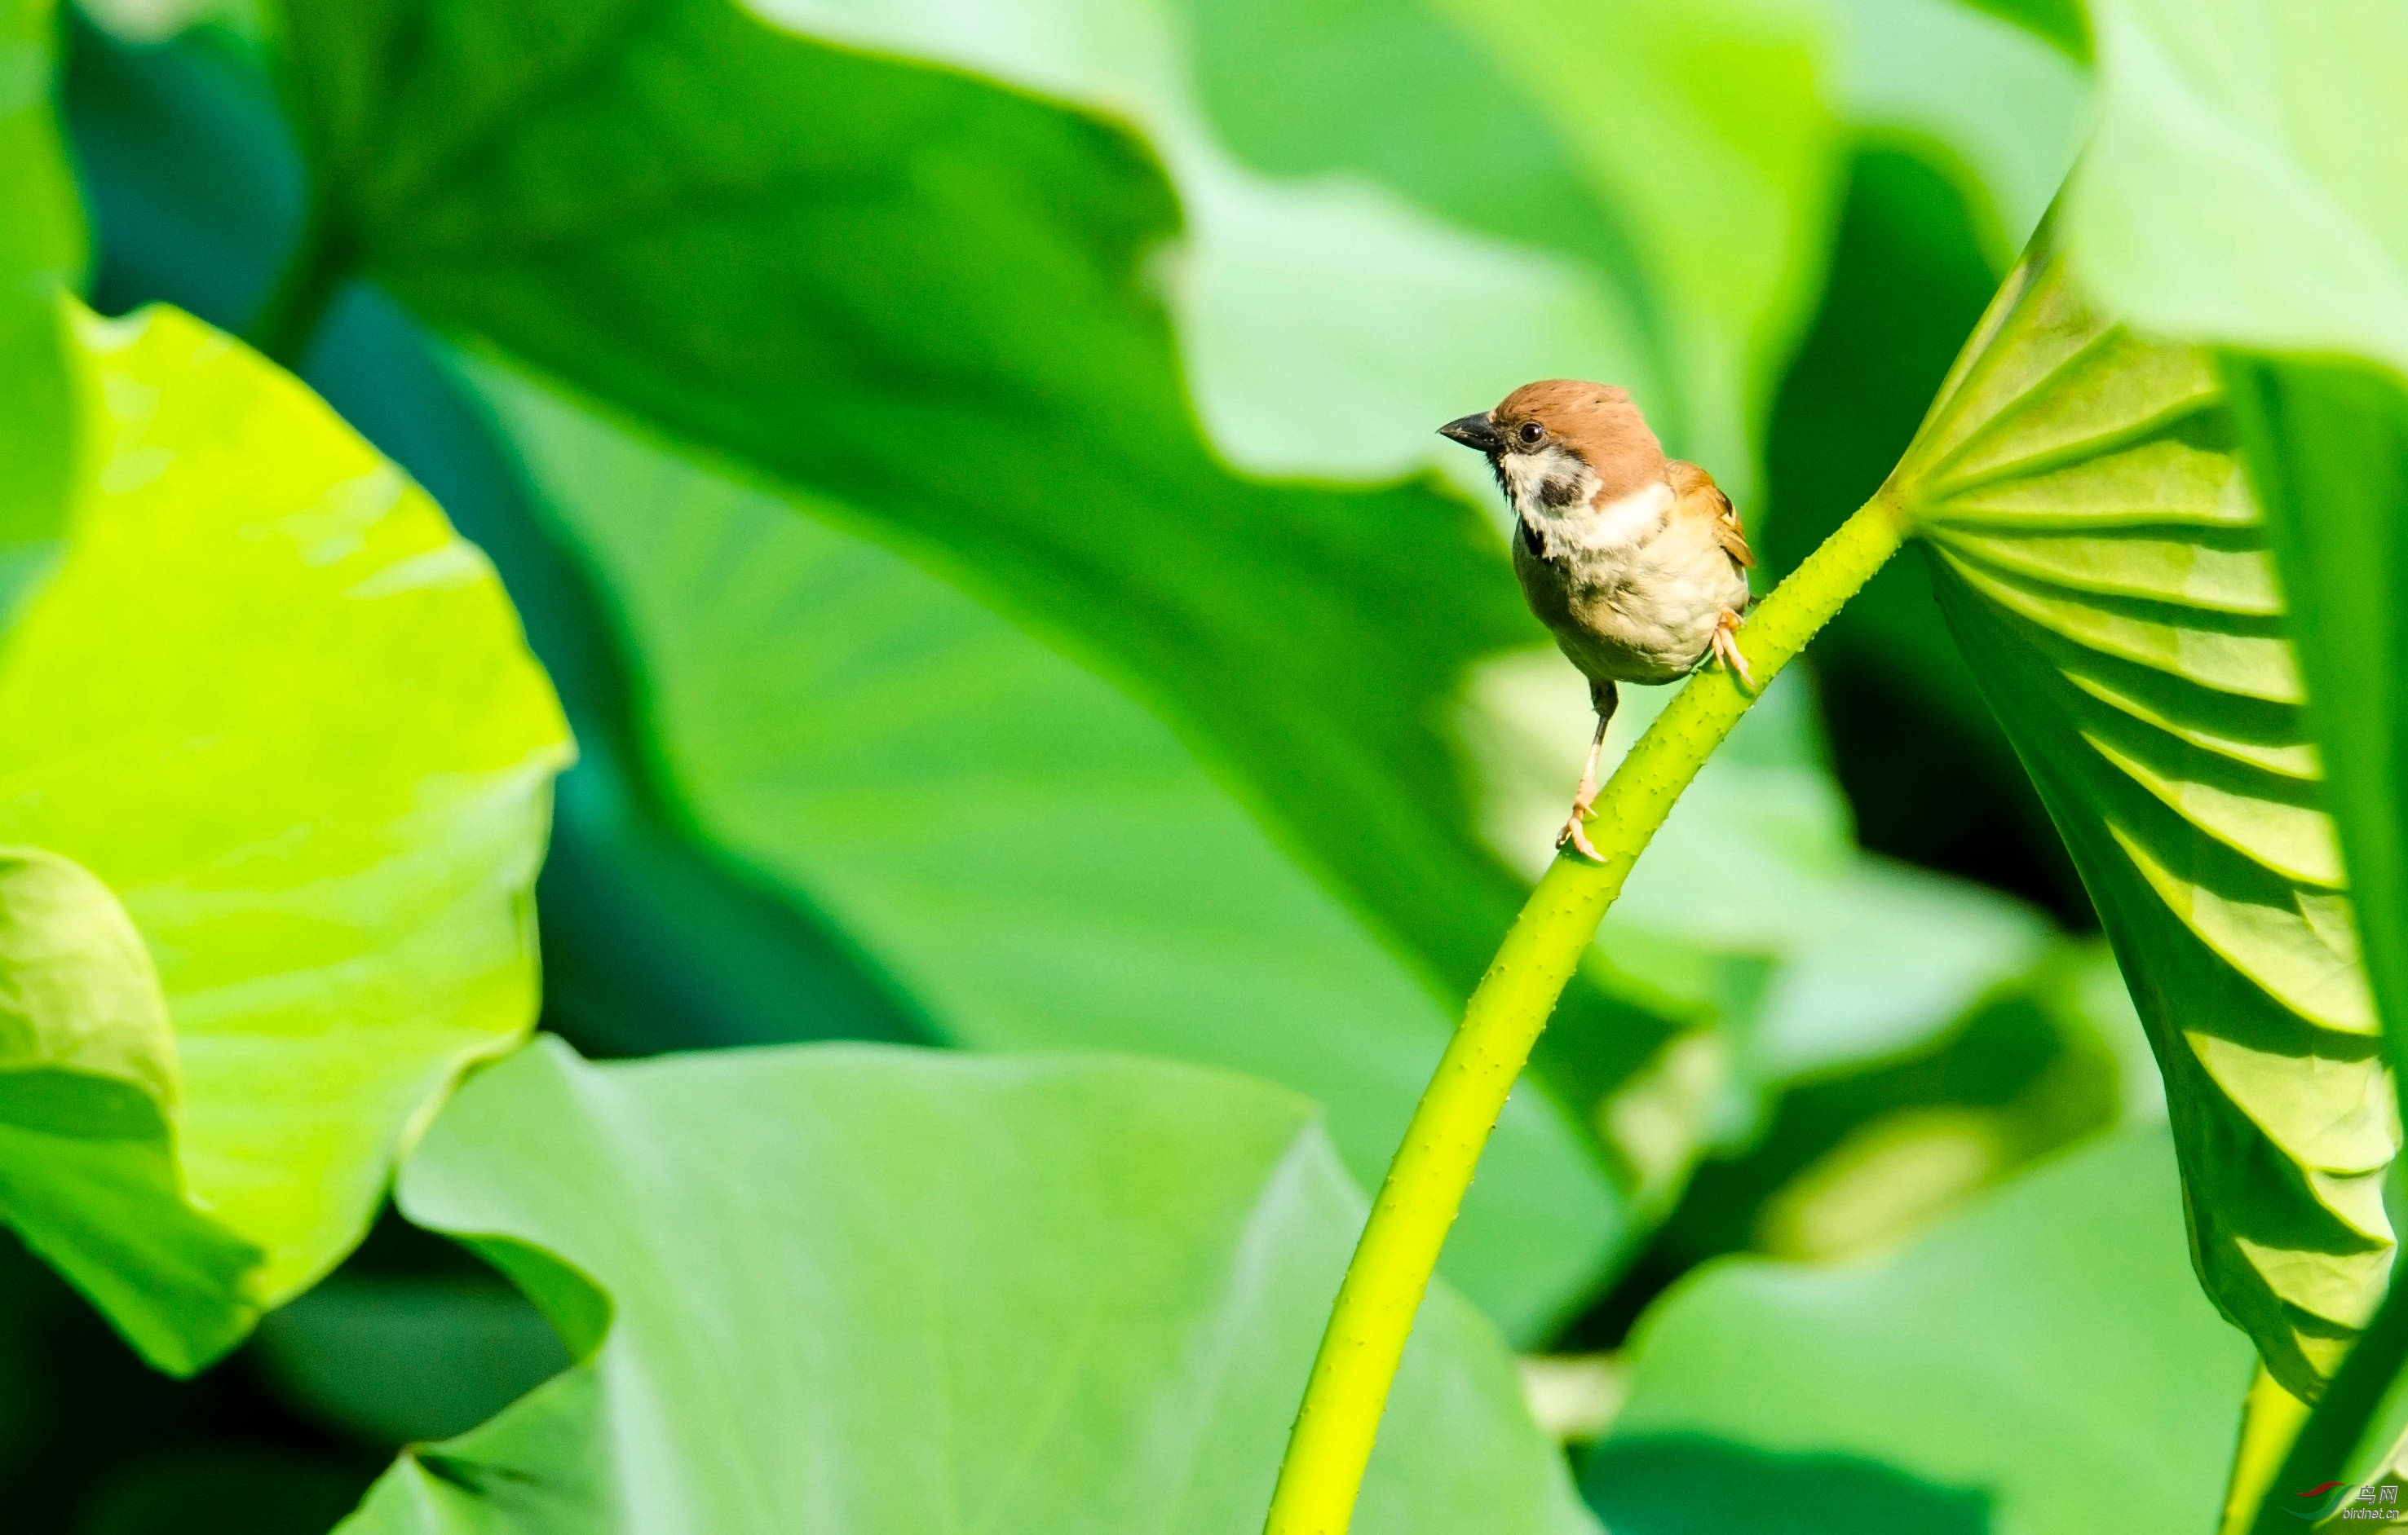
{"x": 1696, "y": 494}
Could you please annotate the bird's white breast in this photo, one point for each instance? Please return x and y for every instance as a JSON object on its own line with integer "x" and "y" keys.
{"x": 1631, "y": 591}
{"x": 1625, "y": 523}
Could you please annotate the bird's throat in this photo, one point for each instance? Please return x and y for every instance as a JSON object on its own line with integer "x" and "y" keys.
{"x": 1548, "y": 488}
{"x": 1532, "y": 538}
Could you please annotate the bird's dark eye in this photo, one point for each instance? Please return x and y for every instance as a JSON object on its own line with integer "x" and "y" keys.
{"x": 1531, "y": 432}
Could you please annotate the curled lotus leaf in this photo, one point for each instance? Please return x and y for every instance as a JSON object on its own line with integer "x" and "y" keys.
{"x": 2095, "y": 547}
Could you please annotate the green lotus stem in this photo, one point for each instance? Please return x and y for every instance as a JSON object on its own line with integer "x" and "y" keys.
{"x": 2271, "y": 1417}
{"x": 2333, "y": 1434}
{"x": 1331, "y": 1441}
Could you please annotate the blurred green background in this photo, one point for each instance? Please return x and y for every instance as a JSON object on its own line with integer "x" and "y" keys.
{"x": 1182, "y": 707}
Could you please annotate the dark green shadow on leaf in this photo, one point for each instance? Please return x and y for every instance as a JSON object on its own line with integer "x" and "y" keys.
{"x": 2063, "y": 24}
{"x": 41, "y": 254}
{"x": 1695, "y": 1484}
{"x": 220, "y": 1490}
{"x": 395, "y": 1359}
{"x": 1930, "y": 774}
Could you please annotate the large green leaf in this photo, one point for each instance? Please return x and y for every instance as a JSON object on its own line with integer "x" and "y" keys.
{"x": 1998, "y": 113}
{"x": 2104, "y": 563}
{"x": 90, "y": 1097}
{"x": 2248, "y": 182}
{"x": 42, "y": 251}
{"x": 996, "y": 392}
{"x": 2040, "y": 1364}
{"x": 1319, "y": 330}
{"x": 2249, "y": 188}
{"x": 871, "y": 1288}
{"x": 1603, "y": 144}
{"x": 1390, "y": 92}
{"x": 1319, "y": 325}
{"x": 77, "y": 994}
{"x": 650, "y": 941}
{"x": 1034, "y": 857}
{"x": 284, "y": 714}
{"x": 1729, "y": 210}
{"x": 2328, "y": 456}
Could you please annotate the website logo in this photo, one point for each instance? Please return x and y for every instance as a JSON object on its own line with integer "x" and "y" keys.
{"x": 2324, "y": 1501}
{"x": 2320, "y": 1504}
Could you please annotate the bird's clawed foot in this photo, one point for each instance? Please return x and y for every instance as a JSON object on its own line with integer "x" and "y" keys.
{"x": 1602, "y": 697}
{"x": 1576, "y": 829}
{"x": 1726, "y": 645}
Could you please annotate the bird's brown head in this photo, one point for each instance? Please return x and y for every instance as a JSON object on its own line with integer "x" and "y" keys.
{"x": 1596, "y": 423}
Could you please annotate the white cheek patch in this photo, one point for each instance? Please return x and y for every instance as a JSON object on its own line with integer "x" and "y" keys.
{"x": 1551, "y": 482}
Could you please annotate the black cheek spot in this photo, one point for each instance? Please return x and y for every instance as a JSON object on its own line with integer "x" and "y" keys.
{"x": 1557, "y": 492}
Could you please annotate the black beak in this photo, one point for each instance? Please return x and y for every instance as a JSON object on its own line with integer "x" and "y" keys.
{"x": 1474, "y": 432}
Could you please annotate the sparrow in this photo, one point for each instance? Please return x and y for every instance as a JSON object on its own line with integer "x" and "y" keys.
{"x": 1634, "y": 560}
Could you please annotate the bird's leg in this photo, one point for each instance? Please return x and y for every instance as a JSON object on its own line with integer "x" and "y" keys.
{"x": 1602, "y": 697}
{"x": 1726, "y": 645}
